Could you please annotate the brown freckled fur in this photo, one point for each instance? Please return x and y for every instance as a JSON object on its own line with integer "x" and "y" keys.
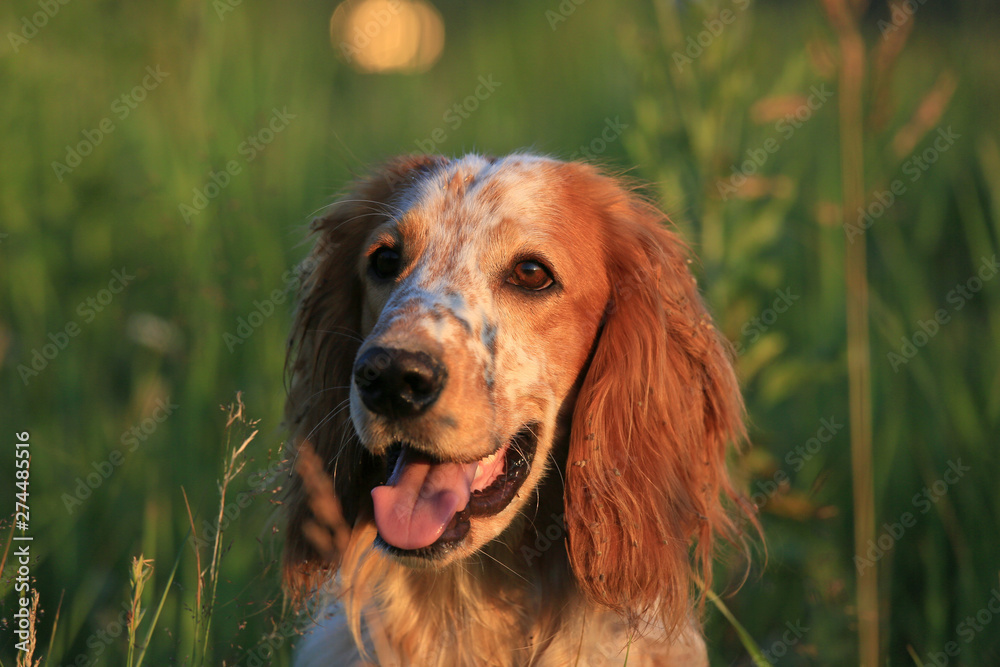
{"x": 640, "y": 440}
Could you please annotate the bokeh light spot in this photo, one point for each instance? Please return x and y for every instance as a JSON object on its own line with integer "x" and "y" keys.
{"x": 387, "y": 35}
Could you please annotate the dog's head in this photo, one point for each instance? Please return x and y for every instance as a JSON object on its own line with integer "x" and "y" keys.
{"x": 471, "y": 329}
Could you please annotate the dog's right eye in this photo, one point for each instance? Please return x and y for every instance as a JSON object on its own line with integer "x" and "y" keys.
{"x": 531, "y": 275}
{"x": 385, "y": 263}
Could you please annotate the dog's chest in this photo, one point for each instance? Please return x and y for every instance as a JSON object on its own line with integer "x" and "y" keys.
{"x": 599, "y": 641}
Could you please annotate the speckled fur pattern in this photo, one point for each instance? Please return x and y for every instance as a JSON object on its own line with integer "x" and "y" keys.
{"x": 619, "y": 367}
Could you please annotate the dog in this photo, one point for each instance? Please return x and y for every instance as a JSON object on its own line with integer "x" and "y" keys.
{"x": 511, "y": 412}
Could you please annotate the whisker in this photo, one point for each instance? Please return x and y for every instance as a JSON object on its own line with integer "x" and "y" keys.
{"x": 521, "y": 452}
{"x": 366, "y": 214}
{"x": 314, "y": 395}
{"x": 381, "y": 205}
{"x": 350, "y": 333}
{"x": 378, "y": 208}
{"x": 346, "y": 435}
{"x": 321, "y": 210}
{"x": 555, "y": 466}
{"x": 326, "y": 418}
{"x": 505, "y": 566}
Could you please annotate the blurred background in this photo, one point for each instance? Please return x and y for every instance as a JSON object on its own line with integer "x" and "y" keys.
{"x": 835, "y": 166}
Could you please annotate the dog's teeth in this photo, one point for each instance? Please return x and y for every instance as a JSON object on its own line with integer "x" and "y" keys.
{"x": 483, "y": 465}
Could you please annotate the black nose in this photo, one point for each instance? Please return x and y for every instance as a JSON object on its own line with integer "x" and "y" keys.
{"x": 398, "y": 383}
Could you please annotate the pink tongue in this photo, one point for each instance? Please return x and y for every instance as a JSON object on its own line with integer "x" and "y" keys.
{"x": 421, "y": 498}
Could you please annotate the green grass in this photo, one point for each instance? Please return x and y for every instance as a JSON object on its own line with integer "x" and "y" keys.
{"x": 163, "y": 336}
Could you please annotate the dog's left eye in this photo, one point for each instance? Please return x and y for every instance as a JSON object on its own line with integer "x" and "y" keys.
{"x": 530, "y": 275}
{"x": 385, "y": 263}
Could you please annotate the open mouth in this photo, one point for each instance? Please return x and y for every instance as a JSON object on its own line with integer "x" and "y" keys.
{"x": 425, "y": 507}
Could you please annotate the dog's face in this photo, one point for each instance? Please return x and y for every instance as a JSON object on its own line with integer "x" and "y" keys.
{"x": 464, "y": 327}
{"x": 483, "y": 291}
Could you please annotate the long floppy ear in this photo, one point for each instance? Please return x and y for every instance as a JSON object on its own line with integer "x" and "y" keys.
{"x": 324, "y": 340}
{"x": 660, "y": 403}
